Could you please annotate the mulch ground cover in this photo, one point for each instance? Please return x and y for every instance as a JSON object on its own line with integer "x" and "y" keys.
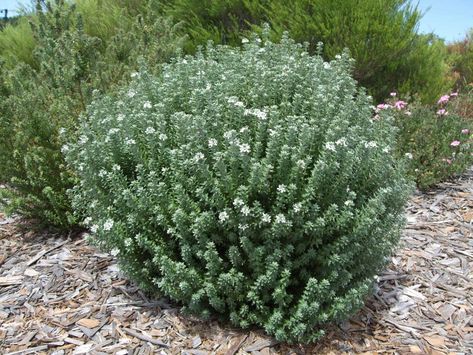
{"x": 58, "y": 295}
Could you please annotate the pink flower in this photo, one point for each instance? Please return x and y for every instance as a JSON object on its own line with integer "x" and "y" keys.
{"x": 448, "y": 161}
{"x": 383, "y": 106}
{"x": 454, "y": 94}
{"x": 465, "y": 131}
{"x": 442, "y": 112}
{"x": 400, "y": 104}
{"x": 455, "y": 143}
{"x": 443, "y": 99}
{"x": 393, "y": 94}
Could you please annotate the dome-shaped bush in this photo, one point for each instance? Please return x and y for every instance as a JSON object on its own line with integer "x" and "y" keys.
{"x": 250, "y": 183}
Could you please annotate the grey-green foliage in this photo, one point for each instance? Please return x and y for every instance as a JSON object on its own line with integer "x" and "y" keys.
{"x": 247, "y": 183}
{"x": 39, "y": 103}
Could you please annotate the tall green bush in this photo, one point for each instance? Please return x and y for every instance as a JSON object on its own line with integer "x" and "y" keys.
{"x": 41, "y": 105}
{"x": 461, "y": 57}
{"x": 380, "y": 35}
{"x": 249, "y": 183}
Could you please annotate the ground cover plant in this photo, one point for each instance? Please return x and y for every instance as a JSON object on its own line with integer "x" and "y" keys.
{"x": 42, "y": 99}
{"x": 436, "y": 140}
{"x": 248, "y": 183}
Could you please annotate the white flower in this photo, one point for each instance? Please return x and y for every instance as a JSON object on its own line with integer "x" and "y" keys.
{"x": 120, "y": 117}
{"x": 102, "y": 173}
{"x": 113, "y": 131}
{"x": 338, "y": 56}
{"x": 150, "y": 130}
{"x": 131, "y": 93}
{"x": 212, "y": 142}
{"x": 147, "y": 104}
{"x": 228, "y": 135}
{"x": 245, "y": 148}
{"x": 243, "y": 226}
{"x": 297, "y": 207}
{"x": 243, "y": 129}
{"x": 349, "y": 203}
{"x": 62, "y": 130}
{"x": 199, "y": 156}
{"x": 65, "y": 148}
{"x": 128, "y": 242}
{"x": 162, "y": 137}
{"x": 282, "y": 188}
{"x": 129, "y": 141}
{"x": 256, "y": 112}
{"x": 245, "y": 211}
{"x": 87, "y": 221}
{"x": 134, "y": 74}
{"x": 342, "y": 141}
{"x": 244, "y": 40}
{"x": 386, "y": 150}
{"x": 108, "y": 224}
{"x": 83, "y": 139}
{"x": 116, "y": 167}
{"x": 409, "y": 156}
{"x": 281, "y": 219}
{"x": 266, "y": 218}
{"x": 326, "y": 65}
{"x": 115, "y": 251}
{"x": 238, "y": 202}
{"x": 223, "y": 216}
{"x": 371, "y": 144}
{"x": 94, "y": 228}
{"x": 300, "y": 163}
{"x": 330, "y": 146}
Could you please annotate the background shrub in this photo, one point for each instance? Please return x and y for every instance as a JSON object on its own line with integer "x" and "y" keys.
{"x": 248, "y": 183}
{"x": 40, "y": 101}
{"x": 437, "y": 140}
{"x": 461, "y": 58}
{"x": 381, "y": 36}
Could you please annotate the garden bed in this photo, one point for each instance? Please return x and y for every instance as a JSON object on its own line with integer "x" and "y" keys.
{"x": 59, "y": 295}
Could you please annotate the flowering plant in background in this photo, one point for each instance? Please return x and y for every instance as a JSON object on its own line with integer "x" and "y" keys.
{"x": 436, "y": 142}
{"x": 257, "y": 187}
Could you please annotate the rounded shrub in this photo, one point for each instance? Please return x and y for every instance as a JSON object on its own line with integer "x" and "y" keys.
{"x": 249, "y": 183}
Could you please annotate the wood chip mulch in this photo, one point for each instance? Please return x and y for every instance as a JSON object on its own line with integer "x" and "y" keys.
{"x": 62, "y": 296}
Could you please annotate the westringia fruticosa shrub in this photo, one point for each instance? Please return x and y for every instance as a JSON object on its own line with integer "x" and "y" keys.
{"x": 41, "y": 105}
{"x": 250, "y": 183}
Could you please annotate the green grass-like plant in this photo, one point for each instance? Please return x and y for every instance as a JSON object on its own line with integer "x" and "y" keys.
{"x": 249, "y": 183}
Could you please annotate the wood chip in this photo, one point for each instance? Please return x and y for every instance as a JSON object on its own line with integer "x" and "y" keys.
{"x": 88, "y": 323}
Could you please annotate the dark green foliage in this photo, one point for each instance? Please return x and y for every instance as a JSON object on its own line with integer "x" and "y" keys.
{"x": 252, "y": 184}
{"x": 41, "y": 102}
{"x": 381, "y": 36}
{"x": 461, "y": 58}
